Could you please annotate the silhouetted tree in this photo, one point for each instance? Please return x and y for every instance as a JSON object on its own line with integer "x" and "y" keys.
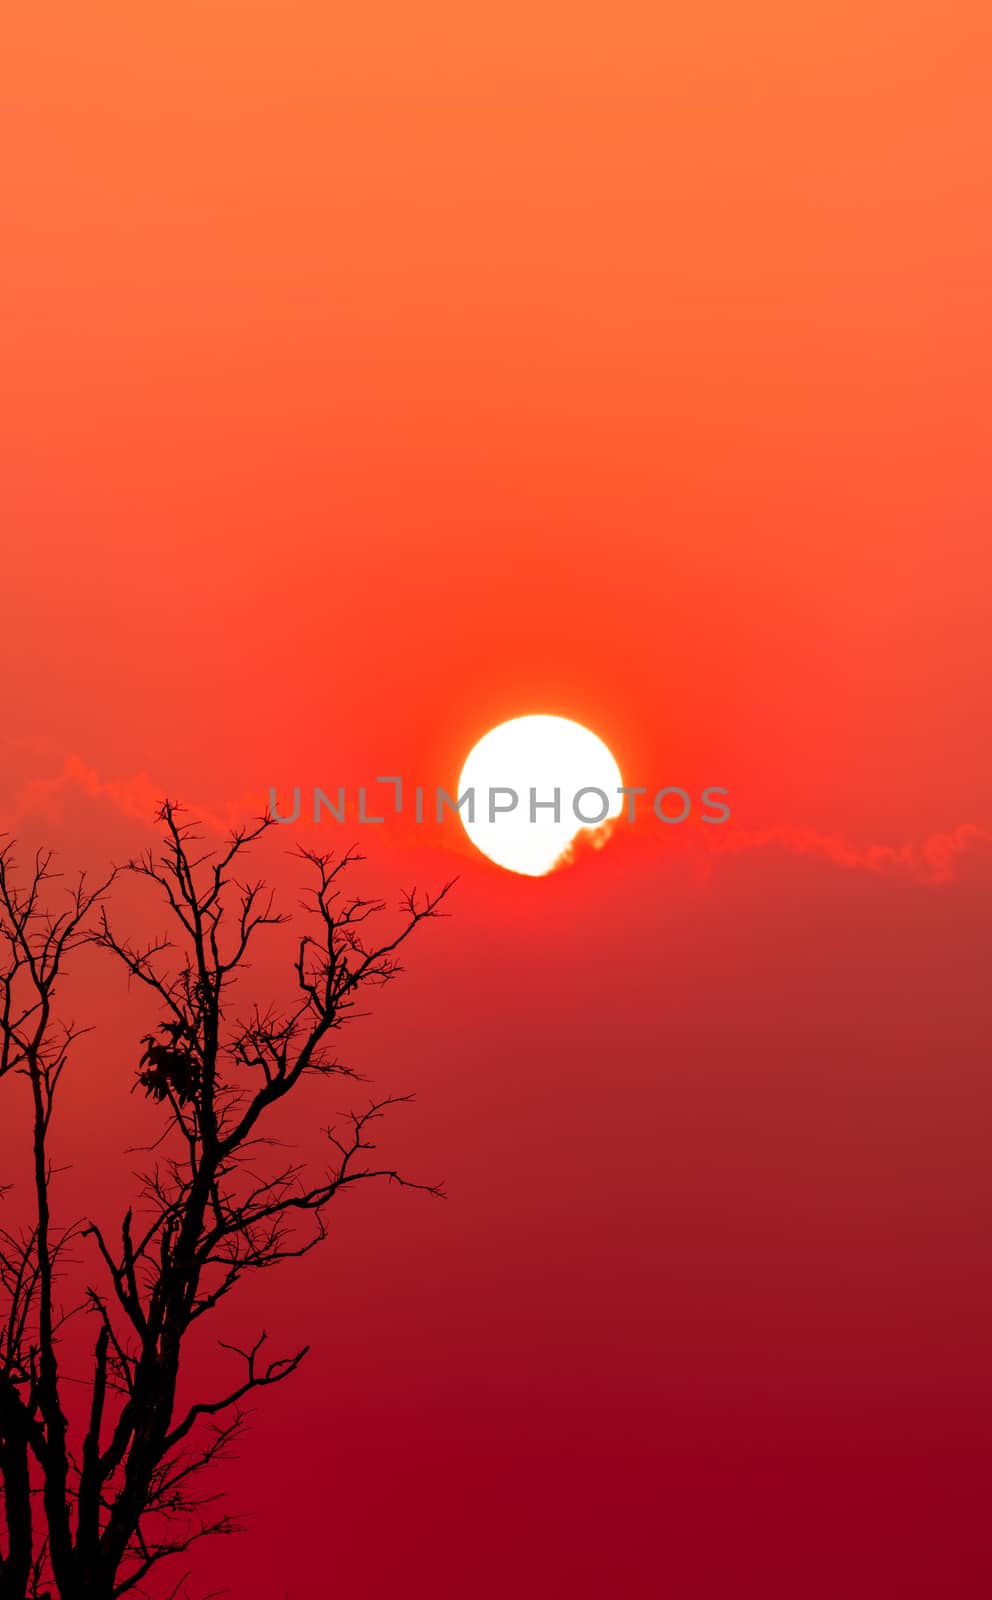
{"x": 95, "y": 1498}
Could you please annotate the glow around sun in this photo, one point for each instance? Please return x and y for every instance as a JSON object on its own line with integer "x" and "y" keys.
{"x": 530, "y": 758}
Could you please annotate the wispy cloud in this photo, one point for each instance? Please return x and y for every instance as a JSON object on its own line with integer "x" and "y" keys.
{"x": 137, "y": 797}
{"x": 937, "y": 858}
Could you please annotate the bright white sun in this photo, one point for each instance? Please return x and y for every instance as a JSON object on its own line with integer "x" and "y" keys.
{"x": 530, "y": 758}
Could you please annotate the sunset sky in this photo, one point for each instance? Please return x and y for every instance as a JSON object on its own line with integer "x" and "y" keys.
{"x": 372, "y": 374}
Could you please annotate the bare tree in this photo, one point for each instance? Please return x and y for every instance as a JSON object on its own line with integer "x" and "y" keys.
{"x": 93, "y": 1518}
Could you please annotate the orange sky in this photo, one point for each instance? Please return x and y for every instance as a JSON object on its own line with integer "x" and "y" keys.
{"x": 373, "y": 373}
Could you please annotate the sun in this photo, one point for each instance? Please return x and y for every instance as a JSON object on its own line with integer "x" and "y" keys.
{"x": 535, "y": 783}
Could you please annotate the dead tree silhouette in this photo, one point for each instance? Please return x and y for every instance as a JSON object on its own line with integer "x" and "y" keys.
{"x": 95, "y": 1503}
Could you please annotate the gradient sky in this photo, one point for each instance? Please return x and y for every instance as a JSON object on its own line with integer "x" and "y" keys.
{"x": 373, "y": 373}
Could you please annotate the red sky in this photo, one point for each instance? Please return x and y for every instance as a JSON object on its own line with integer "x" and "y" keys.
{"x": 374, "y": 373}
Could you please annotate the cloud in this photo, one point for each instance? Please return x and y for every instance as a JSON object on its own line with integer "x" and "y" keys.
{"x": 938, "y": 858}
{"x": 137, "y": 797}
